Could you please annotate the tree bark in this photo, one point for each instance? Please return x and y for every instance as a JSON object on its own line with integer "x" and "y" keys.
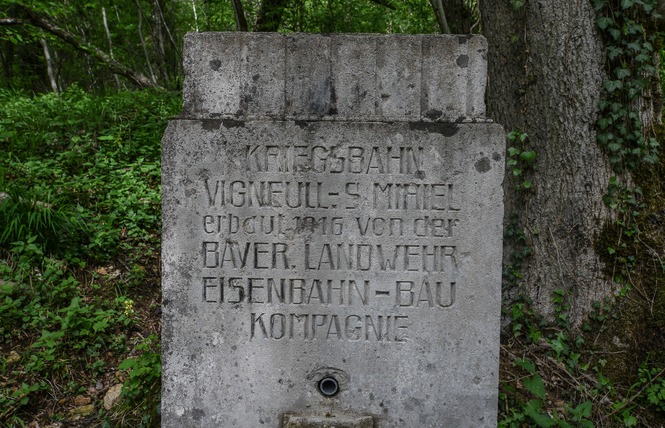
{"x": 546, "y": 71}
{"x": 270, "y": 15}
{"x": 459, "y": 17}
{"x": 113, "y": 65}
{"x": 440, "y": 14}
{"x": 241, "y": 21}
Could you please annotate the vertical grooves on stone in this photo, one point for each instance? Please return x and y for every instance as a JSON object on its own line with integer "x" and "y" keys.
{"x": 464, "y": 52}
{"x": 287, "y": 101}
{"x": 423, "y": 89}
{"x": 377, "y": 92}
{"x": 332, "y": 97}
{"x": 334, "y": 77}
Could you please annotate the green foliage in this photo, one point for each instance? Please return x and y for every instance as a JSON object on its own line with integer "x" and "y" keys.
{"x": 146, "y": 36}
{"x": 92, "y": 153}
{"x": 26, "y": 216}
{"x": 631, "y": 74}
{"x": 654, "y": 384}
{"x": 352, "y": 16}
{"x": 144, "y": 383}
{"x": 552, "y": 354}
{"x": 520, "y": 158}
{"x": 82, "y": 178}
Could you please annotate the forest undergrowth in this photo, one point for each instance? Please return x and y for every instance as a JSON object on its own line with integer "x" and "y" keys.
{"x": 80, "y": 221}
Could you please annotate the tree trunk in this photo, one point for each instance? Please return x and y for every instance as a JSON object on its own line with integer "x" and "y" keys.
{"x": 270, "y": 15}
{"x": 49, "y": 66}
{"x": 172, "y": 55}
{"x": 108, "y": 38}
{"x": 440, "y": 14}
{"x": 196, "y": 16}
{"x": 145, "y": 49}
{"x": 459, "y": 17}
{"x": 546, "y": 70}
{"x": 239, "y": 11}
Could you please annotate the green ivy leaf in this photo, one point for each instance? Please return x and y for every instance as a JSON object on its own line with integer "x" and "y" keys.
{"x": 526, "y": 364}
{"x": 613, "y": 52}
{"x": 604, "y": 21}
{"x": 528, "y": 156}
{"x": 622, "y": 73}
{"x": 612, "y": 85}
{"x": 635, "y": 46}
{"x": 628, "y": 419}
{"x": 582, "y": 411}
{"x": 532, "y": 409}
{"x": 535, "y": 385}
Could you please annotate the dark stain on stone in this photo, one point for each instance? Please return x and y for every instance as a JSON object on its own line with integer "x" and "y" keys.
{"x": 463, "y": 61}
{"x": 228, "y": 124}
{"x": 496, "y": 156}
{"x": 198, "y": 414}
{"x": 462, "y": 39}
{"x": 255, "y": 77}
{"x": 460, "y": 119}
{"x": 321, "y": 99}
{"x": 433, "y": 114}
{"x": 483, "y": 165}
{"x": 215, "y": 64}
{"x": 446, "y": 129}
{"x": 245, "y": 100}
{"x": 302, "y": 124}
{"x": 420, "y": 174}
{"x": 211, "y": 124}
{"x": 333, "y": 99}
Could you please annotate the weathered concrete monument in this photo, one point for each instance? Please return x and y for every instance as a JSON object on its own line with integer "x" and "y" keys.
{"x": 332, "y": 234}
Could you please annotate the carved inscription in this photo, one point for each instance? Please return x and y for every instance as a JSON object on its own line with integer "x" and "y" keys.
{"x": 329, "y": 243}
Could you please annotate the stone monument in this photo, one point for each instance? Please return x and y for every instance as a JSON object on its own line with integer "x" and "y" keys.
{"x": 333, "y": 214}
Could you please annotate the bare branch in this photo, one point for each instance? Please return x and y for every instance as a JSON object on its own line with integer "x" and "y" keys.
{"x": 11, "y": 21}
{"x": 113, "y": 65}
{"x": 384, "y": 3}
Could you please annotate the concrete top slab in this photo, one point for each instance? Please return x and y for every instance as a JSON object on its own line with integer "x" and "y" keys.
{"x": 335, "y": 77}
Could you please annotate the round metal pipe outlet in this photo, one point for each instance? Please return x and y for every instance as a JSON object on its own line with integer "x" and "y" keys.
{"x": 328, "y": 386}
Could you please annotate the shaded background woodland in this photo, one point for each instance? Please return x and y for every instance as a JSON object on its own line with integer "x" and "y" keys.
{"x": 86, "y": 88}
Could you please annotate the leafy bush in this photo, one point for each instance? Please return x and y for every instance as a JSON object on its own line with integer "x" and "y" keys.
{"x": 79, "y": 242}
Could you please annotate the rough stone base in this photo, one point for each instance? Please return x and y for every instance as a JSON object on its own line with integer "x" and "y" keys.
{"x": 337, "y": 421}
